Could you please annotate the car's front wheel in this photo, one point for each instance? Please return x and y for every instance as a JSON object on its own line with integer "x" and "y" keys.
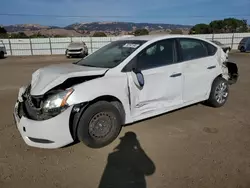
{"x": 99, "y": 125}
{"x": 1, "y": 55}
{"x": 242, "y": 49}
{"x": 219, "y": 92}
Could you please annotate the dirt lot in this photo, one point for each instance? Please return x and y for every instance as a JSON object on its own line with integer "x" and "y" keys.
{"x": 194, "y": 147}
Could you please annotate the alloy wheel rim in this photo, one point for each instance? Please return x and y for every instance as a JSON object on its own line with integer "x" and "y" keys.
{"x": 221, "y": 92}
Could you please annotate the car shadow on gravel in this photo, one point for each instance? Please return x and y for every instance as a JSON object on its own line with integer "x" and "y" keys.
{"x": 127, "y": 165}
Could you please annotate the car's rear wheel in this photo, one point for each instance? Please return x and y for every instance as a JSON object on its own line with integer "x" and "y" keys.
{"x": 219, "y": 92}
{"x": 82, "y": 55}
{"x": 67, "y": 55}
{"x": 99, "y": 125}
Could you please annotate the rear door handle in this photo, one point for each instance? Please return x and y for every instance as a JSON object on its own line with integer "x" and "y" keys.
{"x": 175, "y": 75}
{"x": 212, "y": 67}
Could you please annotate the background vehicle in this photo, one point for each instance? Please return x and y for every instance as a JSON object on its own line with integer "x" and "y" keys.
{"x": 77, "y": 49}
{"x": 2, "y": 49}
{"x": 226, "y": 48}
{"x": 123, "y": 82}
{"x": 244, "y": 44}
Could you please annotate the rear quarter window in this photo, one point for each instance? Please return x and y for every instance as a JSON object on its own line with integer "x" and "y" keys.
{"x": 192, "y": 49}
{"x": 211, "y": 49}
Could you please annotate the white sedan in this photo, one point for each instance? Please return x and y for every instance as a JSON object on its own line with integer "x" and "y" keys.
{"x": 123, "y": 82}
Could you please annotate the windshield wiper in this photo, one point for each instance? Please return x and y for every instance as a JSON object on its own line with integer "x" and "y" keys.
{"x": 88, "y": 65}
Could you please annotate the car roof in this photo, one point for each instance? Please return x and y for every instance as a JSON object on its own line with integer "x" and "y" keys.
{"x": 160, "y": 37}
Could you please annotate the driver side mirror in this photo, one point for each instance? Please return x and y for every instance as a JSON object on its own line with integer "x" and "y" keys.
{"x": 138, "y": 78}
{"x": 137, "y": 75}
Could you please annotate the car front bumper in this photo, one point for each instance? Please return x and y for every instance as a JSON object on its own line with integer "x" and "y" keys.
{"x": 52, "y": 133}
{"x": 75, "y": 52}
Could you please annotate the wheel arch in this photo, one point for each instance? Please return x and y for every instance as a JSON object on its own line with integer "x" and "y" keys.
{"x": 80, "y": 109}
{"x": 211, "y": 84}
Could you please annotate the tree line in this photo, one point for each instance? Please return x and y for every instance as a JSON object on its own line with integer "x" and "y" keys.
{"x": 227, "y": 25}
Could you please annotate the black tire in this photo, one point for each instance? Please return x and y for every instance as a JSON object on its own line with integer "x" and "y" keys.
{"x": 242, "y": 49}
{"x": 82, "y": 55}
{"x": 217, "y": 98}
{"x": 86, "y": 128}
{"x": 1, "y": 55}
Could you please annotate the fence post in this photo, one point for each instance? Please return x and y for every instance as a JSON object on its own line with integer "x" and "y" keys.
{"x": 91, "y": 45}
{"x": 31, "y": 48}
{"x": 50, "y": 46}
{"x": 213, "y": 37}
{"x": 232, "y": 43}
{"x": 10, "y": 47}
{"x": 71, "y": 39}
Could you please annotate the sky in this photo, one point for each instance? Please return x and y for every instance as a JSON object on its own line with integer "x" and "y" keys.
{"x": 188, "y": 12}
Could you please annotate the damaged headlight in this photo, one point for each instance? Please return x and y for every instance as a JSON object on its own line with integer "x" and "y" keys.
{"x": 57, "y": 100}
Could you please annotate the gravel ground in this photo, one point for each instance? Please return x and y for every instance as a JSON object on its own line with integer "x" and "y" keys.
{"x": 193, "y": 147}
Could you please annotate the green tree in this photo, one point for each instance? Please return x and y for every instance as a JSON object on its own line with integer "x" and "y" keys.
{"x": 18, "y": 35}
{"x": 217, "y": 26}
{"x": 3, "y": 32}
{"x": 38, "y": 35}
{"x": 200, "y": 29}
{"x": 99, "y": 34}
{"x": 58, "y": 36}
{"x": 176, "y": 31}
{"x": 139, "y": 32}
{"x": 228, "y": 25}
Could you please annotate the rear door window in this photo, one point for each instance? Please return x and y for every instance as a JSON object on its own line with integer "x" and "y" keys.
{"x": 192, "y": 49}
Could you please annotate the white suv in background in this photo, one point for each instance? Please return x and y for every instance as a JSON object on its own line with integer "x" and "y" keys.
{"x": 79, "y": 49}
{"x": 123, "y": 82}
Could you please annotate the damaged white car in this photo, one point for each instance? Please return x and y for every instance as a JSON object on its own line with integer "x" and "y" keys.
{"x": 123, "y": 82}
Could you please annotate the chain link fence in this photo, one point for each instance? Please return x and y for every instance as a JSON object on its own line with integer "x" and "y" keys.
{"x": 54, "y": 46}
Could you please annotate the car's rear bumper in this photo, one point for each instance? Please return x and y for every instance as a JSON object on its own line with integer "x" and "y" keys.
{"x": 233, "y": 72}
{"x": 51, "y": 133}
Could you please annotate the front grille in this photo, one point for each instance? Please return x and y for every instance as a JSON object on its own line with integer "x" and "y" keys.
{"x": 75, "y": 50}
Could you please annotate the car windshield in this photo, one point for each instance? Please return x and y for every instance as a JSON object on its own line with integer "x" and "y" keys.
{"x": 244, "y": 40}
{"x": 112, "y": 54}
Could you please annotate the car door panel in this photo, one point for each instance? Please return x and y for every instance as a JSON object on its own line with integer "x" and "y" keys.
{"x": 162, "y": 88}
{"x": 199, "y": 70}
{"x": 197, "y": 78}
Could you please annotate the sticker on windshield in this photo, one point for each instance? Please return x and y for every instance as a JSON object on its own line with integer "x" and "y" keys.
{"x": 128, "y": 45}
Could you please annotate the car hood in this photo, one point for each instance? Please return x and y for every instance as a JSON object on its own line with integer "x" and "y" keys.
{"x": 75, "y": 46}
{"x": 46, "y": 78}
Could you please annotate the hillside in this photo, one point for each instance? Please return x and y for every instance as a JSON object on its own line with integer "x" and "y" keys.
{"x": 85, "y": 29}
{"x": 122, "y": 26}
{"x": 27, "y": 27}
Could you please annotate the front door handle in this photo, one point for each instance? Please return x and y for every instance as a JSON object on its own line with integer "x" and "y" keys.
{"x": 211, "y": 67}
{"x": 175, "y": 75}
